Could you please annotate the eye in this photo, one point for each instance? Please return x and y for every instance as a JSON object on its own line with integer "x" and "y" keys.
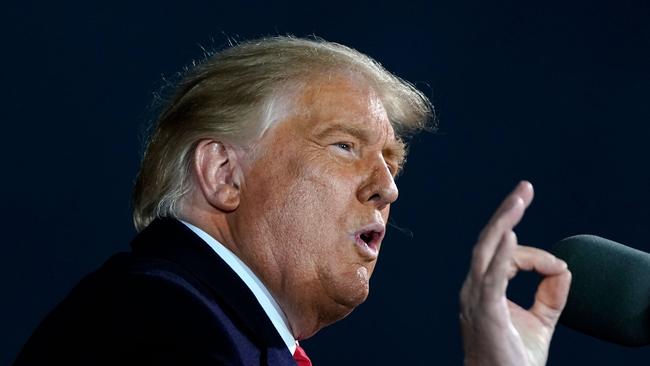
{"x": 343, "y": 146}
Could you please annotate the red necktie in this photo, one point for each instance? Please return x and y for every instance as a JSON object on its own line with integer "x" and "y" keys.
{"x": 301, "y": 357}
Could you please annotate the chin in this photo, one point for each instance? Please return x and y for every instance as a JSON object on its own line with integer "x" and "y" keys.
{"x": 340, "y": 309}
{"x": 351, "y": 294}
{"x": 341, "y": 297}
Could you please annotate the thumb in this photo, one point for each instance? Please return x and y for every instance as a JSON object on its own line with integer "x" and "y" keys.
{"x": 551, "y": 297}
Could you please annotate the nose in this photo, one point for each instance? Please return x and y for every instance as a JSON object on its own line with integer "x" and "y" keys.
{"x": 379, "y": 189}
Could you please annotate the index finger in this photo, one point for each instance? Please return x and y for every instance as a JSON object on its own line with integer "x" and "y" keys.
{"x": 504, "y": 219}
{"x": 523, "y": 190}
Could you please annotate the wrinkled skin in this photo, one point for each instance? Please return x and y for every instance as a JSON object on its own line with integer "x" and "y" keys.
{"x": 290, "y": 206}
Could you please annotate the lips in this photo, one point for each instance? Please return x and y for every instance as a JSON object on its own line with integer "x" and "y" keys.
{"x": 367, "y": 240}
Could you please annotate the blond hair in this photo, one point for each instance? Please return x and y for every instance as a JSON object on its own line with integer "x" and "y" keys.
{"x": 225, "y": 98}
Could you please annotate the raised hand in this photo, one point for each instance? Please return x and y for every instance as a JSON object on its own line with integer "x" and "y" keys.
{"x": 495, "y": 330}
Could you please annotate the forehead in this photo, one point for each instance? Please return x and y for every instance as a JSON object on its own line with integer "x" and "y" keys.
{"x": 342, "y": 100}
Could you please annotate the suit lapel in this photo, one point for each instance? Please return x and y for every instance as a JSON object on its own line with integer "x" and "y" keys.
{"x": 171, "y": 240}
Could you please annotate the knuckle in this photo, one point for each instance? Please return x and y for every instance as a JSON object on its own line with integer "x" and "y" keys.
{"x": 489, "y": 282}
{"x": 502, "y": 223}
{"x": 475, "y": 277}
{"x": 466, "y": 294}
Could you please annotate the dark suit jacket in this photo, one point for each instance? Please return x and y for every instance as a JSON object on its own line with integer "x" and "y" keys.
{"x": 170, "y": 301}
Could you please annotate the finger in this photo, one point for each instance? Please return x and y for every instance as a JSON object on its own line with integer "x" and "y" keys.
{"x": 492, "y": 235}
{"x": 495, "y": 281}
{"x": 523, "y": 190}
{"x": 534, "y": 259}
{"x": 526, "y": 192}
{"x": 505, "y": 218}
{"x": 551, "y": 297}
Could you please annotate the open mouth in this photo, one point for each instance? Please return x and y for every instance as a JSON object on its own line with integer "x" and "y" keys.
{"x": 368, "y": 240}
{"x": 369, "y": 237}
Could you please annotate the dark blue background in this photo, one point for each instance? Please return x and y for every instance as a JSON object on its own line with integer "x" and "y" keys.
{"x": 554, "y": 93}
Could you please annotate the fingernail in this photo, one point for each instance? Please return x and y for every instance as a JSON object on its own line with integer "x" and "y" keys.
{"x": 525, "y": 183}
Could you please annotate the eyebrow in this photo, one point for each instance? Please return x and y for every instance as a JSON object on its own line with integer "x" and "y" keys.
{"x": 395, "y": 150}
{"x": 356, "y": 132}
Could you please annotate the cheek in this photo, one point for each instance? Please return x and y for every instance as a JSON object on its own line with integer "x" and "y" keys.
{"x": 312, "y": 222}
{"x": 308, "y": 206}
{"x": 300, "y": 213}
{"x": 316, "y": 209}
{"x": 322, "y": 186}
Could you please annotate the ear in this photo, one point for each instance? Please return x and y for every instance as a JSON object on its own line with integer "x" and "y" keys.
{"x": 216, "y": 171}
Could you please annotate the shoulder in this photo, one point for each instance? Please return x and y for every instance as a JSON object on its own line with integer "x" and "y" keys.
{"x": 135, "y": 307}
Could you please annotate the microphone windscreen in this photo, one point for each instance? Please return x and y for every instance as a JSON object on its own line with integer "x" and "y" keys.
{"x": 610, "y": 289}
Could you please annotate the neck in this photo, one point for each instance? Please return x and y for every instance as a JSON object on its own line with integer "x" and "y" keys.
{"x": 305, "y": 315}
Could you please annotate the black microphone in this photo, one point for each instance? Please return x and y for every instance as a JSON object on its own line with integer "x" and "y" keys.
{"x": 610, "y": 289}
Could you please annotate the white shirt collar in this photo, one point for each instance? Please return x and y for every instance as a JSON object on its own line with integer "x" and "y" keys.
{"x": 262, "y": 294}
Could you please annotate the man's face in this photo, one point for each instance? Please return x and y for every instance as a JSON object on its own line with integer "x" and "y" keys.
{"x": 315, "y": 202}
